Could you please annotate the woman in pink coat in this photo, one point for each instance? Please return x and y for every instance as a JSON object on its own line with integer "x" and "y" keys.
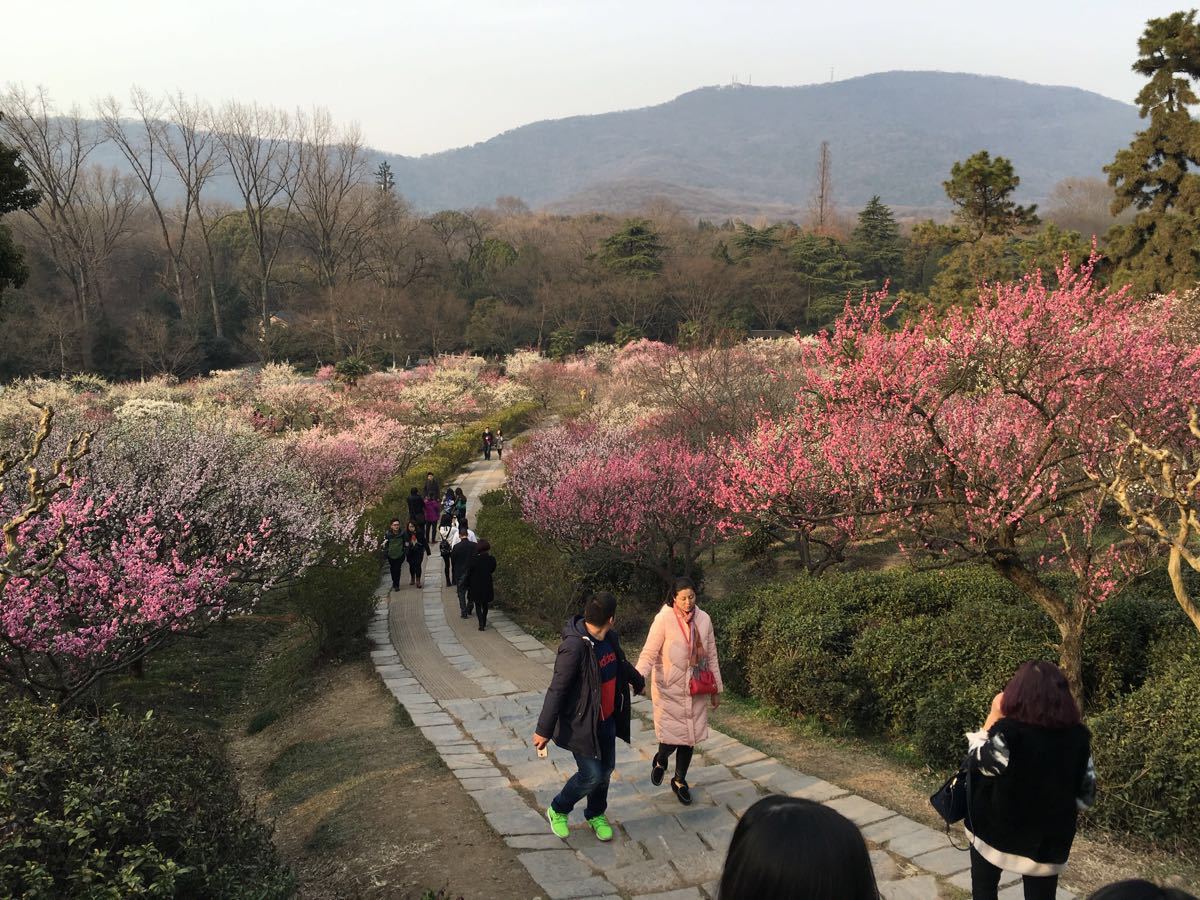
{"x": 680, "y": 640}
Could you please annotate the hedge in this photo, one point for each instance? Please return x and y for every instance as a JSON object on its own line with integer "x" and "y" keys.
{"x": 120, "y": 807}
{"x": 915, "y": 657}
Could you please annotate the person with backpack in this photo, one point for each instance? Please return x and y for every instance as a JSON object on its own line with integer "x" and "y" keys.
{"x": 416, "y": 509}
{"x": 480, "y": 591}
{"x": 499, "y": 444}
{"x": 587, "y": 707}
{"x": 433, "y": 511}
{"x": 392, "y": 547}
{"x": 416, "y": 548}
{"x": 445, "y": 529}
{"x": 461, "y": 552}
{"x": 1030, "y": 773}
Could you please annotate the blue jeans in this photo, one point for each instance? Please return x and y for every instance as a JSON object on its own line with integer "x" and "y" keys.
{"x": 591, "y": 780}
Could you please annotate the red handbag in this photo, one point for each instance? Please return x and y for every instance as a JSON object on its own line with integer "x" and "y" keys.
{"x": 703, "y": 681}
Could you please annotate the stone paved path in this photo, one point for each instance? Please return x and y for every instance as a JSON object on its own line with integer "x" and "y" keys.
{"x": 476, "y": 696}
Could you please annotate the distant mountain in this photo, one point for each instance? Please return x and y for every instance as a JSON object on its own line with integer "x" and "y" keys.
{"x": 895, "y": 134}
{"x": 752, "y": 151}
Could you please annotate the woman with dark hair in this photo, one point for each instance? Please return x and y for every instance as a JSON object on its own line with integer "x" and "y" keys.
{"x": 460, "y": 506}
{"x": 790, "y": 849}
{"x": 479, "y": 581}
{"x": 1137, "y": 889}
{"x": 1031, "y": 772}
{"x": 416, "y": 548}
{"x": 445, "y": 531}
{"x": 680, "y": 645}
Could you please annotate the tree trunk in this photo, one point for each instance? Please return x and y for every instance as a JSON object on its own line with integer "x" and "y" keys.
{"x": 1175, "y": 570}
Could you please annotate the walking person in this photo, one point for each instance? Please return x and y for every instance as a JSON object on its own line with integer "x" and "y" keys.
{"x": 680, "y": 654}
{"x": 460, "y": 506}
{"x": 791, "y": 849}
{"x": 431, "y": 487}
{"x": 433, "y": 511}
{"x": 487, "y": 443}
{"x": 416, "y": 508}
{"x": 498, "y": 443}
{"x": 587, "y": 707}
{"x": 445, "y": 530}
{"x": 480, "y": 592}
{"x": 448, "y": 502}
{"x": 416, "y": 548}
{"x": 1031, "y": 772}
{"x": 462, "y": 550}
{"x": 393, "y": 550}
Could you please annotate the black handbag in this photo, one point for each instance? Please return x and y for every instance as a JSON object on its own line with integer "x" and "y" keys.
{"x": 953, "y": 799}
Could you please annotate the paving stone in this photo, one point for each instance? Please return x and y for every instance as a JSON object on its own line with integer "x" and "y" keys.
{"x": 605, "y": 856}
{"x": 914, "y": 843}
{"x": 1017, "y": 892}
{"x": 705, "y": 866}
{"x": 456, "y": 749}
{"x": 430, "y": 719}
{"x": 646, "y": 828}
{"x": 761, "y": 771}
{"x": 946, "y": 861}
{"x": 498, "y": 800}
{"x": 439, "y": 733}
{"x": 520, "y": 820}
{"x": 702, "y": 775}
{"x": 469, "y": 761}
{"x": 484, "y": 783}
{"x": 706, "y": 819}
{"x": 533, "y": 841}
{"x": 859, "y": 810}
{"x": 884, "y": 830}
{"x": 690, "y": 893}
{"x": 885, "y": 867}
{"x": 562, "y": 874}
{"x": 737, "y": 795}
{"x": 643, "y": 877}
{"x": 735, "y": 755}
{"x": 818, "y": 791}
{"x": 921, "y": 887}
{"x": 963, "y": 880}
{"x": 673, "y": 844}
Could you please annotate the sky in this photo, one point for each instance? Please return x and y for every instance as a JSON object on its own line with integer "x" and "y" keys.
{"x": 419, "y": 77}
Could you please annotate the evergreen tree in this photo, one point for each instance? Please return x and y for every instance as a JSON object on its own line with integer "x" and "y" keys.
{"x": 750, "y": 240}
{"x": 981, "y": 188}
{"x": 384, "y": 179}
{"x": 635, "y": 250}
{"x": 875, "y": 244}
{"x": 826, "y": 275}
{"x": 15, "y": 194}
{"x": 1160, "y": 249}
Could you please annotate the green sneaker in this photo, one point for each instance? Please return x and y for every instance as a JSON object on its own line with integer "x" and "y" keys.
{"x": 558, "y": 823}
{"x": 601, "y": 827}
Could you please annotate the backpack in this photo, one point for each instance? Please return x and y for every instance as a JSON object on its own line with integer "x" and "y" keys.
{"x": 444, "y": 547}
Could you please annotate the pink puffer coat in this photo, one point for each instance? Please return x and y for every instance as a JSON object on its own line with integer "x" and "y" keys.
{"x": 679, "y": 718}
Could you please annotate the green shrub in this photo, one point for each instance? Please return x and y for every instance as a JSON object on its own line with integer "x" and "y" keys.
{"x": 118, "y": 807}
{"x": 535, "y": 583}
{"x": 1147, "y": 750}
{"x": 338, "y": 603}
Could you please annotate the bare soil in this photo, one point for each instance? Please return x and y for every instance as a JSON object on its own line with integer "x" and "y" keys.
{"x": 362, "y": 805}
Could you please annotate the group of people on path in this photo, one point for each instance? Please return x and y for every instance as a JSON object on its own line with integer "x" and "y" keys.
{"x": 1030, "y": 765}
{"x": 493, "y": 442}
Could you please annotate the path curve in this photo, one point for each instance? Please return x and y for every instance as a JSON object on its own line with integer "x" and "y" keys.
{"x": 476, "y": 696}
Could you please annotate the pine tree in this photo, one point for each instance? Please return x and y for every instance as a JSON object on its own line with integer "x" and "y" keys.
{"x": 384, "y": 179}
{"x": 981, "y": 188}
{"x": 875, "y": 244}
{"x": 1160, "y": 249}
{"x": 635, "y": 250}
{"x": 15, "y": 194}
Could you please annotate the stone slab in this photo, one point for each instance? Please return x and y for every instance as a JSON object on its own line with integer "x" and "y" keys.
{"x": 818, "y": 791}
{"x": 947, "y": 861}
{"x": 690, "y": 893}
{"x": 644, "y": 877}
{"x": 646, "y": 828}
{"x": 859, "y": 810}
{"x": 914, "y": 843}
{"x": 922, "y": 887}
{"x": 520, "y": 820}
{"x": 533, "y": 841}
{"x": 886, "y": 829}
{"x": 498, "y": 800}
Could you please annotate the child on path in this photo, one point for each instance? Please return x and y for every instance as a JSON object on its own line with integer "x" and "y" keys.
{"x": 587, "y": 707}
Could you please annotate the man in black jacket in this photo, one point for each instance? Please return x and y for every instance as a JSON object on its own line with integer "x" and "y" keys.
{"x": 461, "y": 555}
{"x": 587, "y": 707}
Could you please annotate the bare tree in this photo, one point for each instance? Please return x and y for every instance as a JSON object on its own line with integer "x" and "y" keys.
{"x": 822, "y": 209}
{"x": 264, "y": 158}
{"x": 333, "y": 205}
{"x": 85, "y": 210}
{"x": 1083, "y": 205}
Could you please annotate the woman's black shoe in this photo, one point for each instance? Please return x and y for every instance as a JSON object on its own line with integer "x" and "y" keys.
{"x": 656, "y": 772}
{"x": 681, "y": 791}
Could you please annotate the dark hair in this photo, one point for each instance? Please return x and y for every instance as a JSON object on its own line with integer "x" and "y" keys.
{"x": 483, "y": 547}
{"x": 458, "y": 493}
{"x": 462, "y": 529}
{"x": 599, "y": 608}
{"x": 414, "y": 491}
{"x": 1136, "y": 889}
{"x": 395, "y": 521}
{"x": 428, "y": 474}
{"x": 412, "y": 524}
{"x": 795, "y": 849}
{"x": 1038, "y": 694}
{"x": 446, "y": 519}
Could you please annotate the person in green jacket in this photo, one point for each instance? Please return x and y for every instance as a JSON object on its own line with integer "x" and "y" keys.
{"x": 394, "y": 550}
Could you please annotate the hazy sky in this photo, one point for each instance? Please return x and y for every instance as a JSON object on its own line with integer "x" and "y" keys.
{"x": 422, "y": 77}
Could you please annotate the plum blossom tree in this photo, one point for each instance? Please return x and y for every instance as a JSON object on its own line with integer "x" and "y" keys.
{"x": 973, "y": 436}
{"x": 645, "y": 500}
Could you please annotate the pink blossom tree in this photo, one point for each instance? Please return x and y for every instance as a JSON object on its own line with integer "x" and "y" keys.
{"x": 973, "y": 436}
{"x": 172, "y": 524}
{"x": 645, "y": 500}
